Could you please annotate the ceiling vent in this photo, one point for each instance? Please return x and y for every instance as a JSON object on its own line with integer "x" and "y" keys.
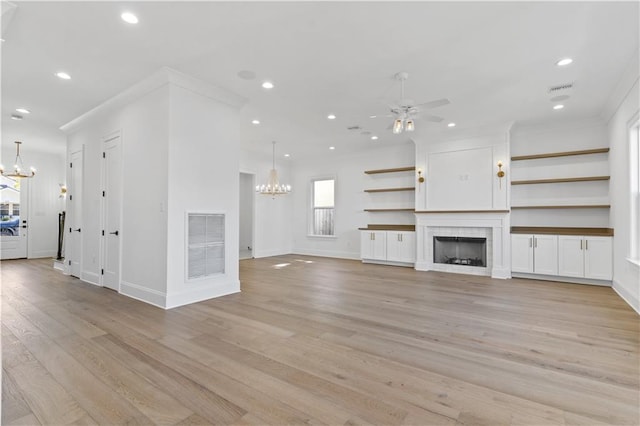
{"x": 354, "y": 128}
{"x": 560, "y": 87}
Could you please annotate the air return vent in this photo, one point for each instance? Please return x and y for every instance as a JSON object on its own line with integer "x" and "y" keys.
{"x": 205, "y": 245}
{"x": 560, "y": 87}
{"x": 354, "y": 128}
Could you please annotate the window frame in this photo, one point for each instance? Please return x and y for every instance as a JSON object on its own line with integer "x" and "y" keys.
{"x": 634, "y": 189}
{"x": 311, "y": 210}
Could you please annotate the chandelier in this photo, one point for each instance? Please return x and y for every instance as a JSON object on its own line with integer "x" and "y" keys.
{"x": 273, "y": 186}
{"x": 18, "y": 166}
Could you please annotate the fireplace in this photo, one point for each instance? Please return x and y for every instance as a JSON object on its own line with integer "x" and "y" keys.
{"x": 465, "y": 251}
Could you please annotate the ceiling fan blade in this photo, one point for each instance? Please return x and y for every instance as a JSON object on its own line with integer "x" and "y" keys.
{"x": 433, "y": 104}
{"x": 433, "y": 118}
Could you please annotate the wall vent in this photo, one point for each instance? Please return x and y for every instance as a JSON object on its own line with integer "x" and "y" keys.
{"x": 559, "y": 87}
{"x": 205, "y": 245}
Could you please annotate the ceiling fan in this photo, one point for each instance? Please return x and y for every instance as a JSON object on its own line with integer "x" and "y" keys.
{"x": 406, "y": 110}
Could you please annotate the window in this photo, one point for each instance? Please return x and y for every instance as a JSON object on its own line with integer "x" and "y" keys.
{"x": 323, "y": 207}
{"x": 634, "y": 169}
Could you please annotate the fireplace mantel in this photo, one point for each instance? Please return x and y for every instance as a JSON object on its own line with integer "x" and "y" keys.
{"x": 495, "y": 222}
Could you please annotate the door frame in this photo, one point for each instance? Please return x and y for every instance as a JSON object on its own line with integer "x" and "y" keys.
{"x": 103, "y": 238}
{"x": 68, "y": 245}
{"x": 253, "y": 211}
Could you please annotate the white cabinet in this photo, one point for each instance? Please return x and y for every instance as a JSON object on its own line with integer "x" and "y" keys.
{"x": 373, "y": 245}
{"x": 401, "y": 246}
{"x": 537, "y": 254}
{"x": 585, "y": 257}
{"x": 388, "y": 246}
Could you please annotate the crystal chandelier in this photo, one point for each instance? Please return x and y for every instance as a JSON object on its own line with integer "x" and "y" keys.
{"x": 273, "y": 186}
{"x": 17, "y": 172}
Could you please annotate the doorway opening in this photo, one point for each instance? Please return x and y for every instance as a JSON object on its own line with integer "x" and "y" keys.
{"x": 246, "y": 220}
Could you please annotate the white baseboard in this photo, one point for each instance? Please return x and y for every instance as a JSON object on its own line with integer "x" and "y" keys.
{"x": 327, "y": 253}
{"x": 389, "y": 263}
{"x": 626, "y": 296}
{"x": 90, "y": 278}
{"x": 143, "y": 294}
{"x": 269, "y": 253}
{"x": 42, "y": 253}
{"x": 570, "y": 280}
{"x": 501, "y": 273}
{"x": 173, "y": 300}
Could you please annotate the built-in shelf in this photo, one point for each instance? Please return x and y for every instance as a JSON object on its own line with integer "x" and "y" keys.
{"x": 593, "y": 232}
{"x": 579, "y": 206}
{"x": 371, "y": 227}
{"x": 397, "y": 169}
{"x": 390, "y": 189}
{"x": 560, "y": 154}
{"x": 560, "y": 180}
{"x": 411, "y": 209}
{"x": 462, "y": 211}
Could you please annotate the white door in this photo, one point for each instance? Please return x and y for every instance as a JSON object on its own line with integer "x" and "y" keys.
{"x": 570, "y": 256}
{"x": 522, "y": 253}
{"x": 598, "y": 258}
{"x": 14, "y": 203}
{"x": 73, "y": 245}
{"x": 373, "y": 245}
{"x": 247, "y": 196}
{"x": 545, "y": 254}
{"x": 401, "y": 246}
{"x": 111, "y": 207}
{"x": 408, "y": 252}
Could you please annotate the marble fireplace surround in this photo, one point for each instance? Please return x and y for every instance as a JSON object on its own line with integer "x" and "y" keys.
{"x": 491, "y": 224}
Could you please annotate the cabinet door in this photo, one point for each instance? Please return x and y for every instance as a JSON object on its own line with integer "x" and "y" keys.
{"x": 545, "y": 254}
{"x": 570, "y": 256}
{"x": 373, "y": 245}
{"x": 401, "y": 247}
{"x": 598, "y": 258}
{"x": 521, "y": 253}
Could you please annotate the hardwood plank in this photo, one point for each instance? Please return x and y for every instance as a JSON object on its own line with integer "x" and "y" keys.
{"x": 14, "y": 406}
{"x": 560, "y": 154}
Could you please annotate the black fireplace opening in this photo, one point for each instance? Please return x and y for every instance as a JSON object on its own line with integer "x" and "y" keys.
{"x": 467, "y": 251}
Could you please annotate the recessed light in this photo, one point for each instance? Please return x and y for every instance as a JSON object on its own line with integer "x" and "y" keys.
{"x": 23, "y": 110}
{"x": 16, "y": 117}
{"x": 129, "y": 18}
{"x": 63, "y": 75}
{"x": 564, "y": 62}
{"x": 331, "y": 116}
{"x": 451, "y": 125}
{"x": 267, "y": 85}
{"x": 560, "y": 106}
{"x": 255, "y": 122}
{"x": 332, "y": 147}
{"x": 287, "y": 155}
{"x": 374, "y": 138}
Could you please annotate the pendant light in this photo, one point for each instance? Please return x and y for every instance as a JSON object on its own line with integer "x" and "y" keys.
{"x": 18, "y": 166}
{"x": 273, "y": 186}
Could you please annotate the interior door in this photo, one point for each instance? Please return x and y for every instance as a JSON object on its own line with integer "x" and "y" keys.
{"x": 73, "y": 246}
{"x": 112, "y": 201}
{"x": 14, "y": 203}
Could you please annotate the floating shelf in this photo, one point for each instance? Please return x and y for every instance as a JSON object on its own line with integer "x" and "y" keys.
{"x": 390, "y": 189}
{"x": 594, "y": 232}
{"x": 560, "y": 154}
{"x": 371, "y": 227}
{"x": 560, "y": 180}
{"x": 462, "y": 211}
{"x": 581, "y": 206}
{"x": 398, "y": 169}
{"x": 411, "y": 209}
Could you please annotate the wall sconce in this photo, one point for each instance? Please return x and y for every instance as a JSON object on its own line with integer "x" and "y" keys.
{"x": 420, "y": 177}
{"x": 63, "y": 190}
{"x": 500, "y": 173}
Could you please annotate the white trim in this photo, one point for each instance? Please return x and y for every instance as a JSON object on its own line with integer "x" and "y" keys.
{"x": 182, "y": 298}
{"x": 270, "y": 253}
{"x": 635, "y": 262}
{"x": 626, "y": 83}
{"x": 160, "y": 78}
{"x": 388, "y": 263}
{"x": 90, "y": 277}
{"x": 43, "y": 253}
{"x": 626, "y": 296}
{"x": 560, "y": 279}
{"x": 311, "y": 207}
{"x": 143, "y": 294}
{"x": 323, "y": 237}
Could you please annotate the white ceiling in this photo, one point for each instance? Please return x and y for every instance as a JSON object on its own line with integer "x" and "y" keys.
{"x": 494, "y": 61}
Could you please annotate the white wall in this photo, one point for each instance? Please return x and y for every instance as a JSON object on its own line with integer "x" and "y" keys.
{"x": 143, "y": 124}
{"x": 460, "y": 171}
{"x": 273, "y": 229}
{"x": 626, "y": 275}
{"x": 350, "y": 198}
{"x": 204, "y": 159}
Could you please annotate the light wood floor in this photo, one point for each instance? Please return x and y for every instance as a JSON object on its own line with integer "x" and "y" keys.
{"x": 319, "y": 341}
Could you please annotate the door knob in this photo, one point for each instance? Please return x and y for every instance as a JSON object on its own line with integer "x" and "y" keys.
{"x": 114, "y": 233}
{"x": 78, "y": 230}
